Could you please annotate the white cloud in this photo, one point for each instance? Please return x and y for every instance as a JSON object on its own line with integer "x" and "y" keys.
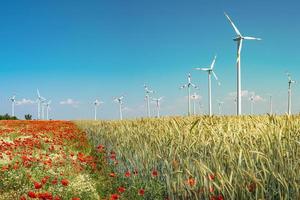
{"x": 257, "y": 98}
{"x": 245, "y": 93}
{"x": 25, "y": 102}
{"x": 70, "y": 102}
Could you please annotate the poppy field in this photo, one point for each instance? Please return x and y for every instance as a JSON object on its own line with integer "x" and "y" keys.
{"x": 205, "y": 157}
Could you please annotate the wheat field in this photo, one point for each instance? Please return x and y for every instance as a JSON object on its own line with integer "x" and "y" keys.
{"x": 207, "y": 157}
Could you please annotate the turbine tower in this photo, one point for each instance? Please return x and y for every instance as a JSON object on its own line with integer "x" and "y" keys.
{"x": 290, "y": 82}
{"x": 210, "y": 71}
{"x": 40, "y": 99}
{"x": 148, "y": 92}
{"x": 189, "y": 85}
{"x": 96, "y": 105}
{"x": 271, "y": 104}
{"x": 200, "y": 107}
{"x": 13, "y": 100}
{"x": 157, "y": 102}
{"x": 120, "y": 101}
{"x": 251, "y": 104}
{"x": 47, "y": 109}
{"x": 220, "y": 104}
{"x": 194, "y": 98}
{"x": 239, "y": 39}
{"x": 43, "y": 103}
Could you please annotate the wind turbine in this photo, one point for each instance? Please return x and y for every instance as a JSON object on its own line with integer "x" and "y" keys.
{"x": 13, "y": 100}
{"x": 96, "y": 105}
{"x": 189, "y": 85}
{"x": 194, "y": 98}
{"x": 290, "y": 82}
{"x": 47, "y": 109}
{"x": 148, "y": 92}
{"x": 210, "y": 71}
{"x": 220, "y": 103}
{"x": 239, "y": 39}
{"x": 157, "y": 102}
{"x": 200, "y": 107}
{"x": 40, "y": 99}
{"x": 120, "y": 101}
{"x": 43, "y": 103}
{"x": 251, "y": 104}
{"x": 271, "y": 104}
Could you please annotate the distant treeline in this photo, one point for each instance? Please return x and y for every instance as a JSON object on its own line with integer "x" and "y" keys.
{"x": 7, "y": 117}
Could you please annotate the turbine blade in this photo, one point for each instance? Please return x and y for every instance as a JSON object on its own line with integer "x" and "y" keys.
{"x": 251, "y": 38}
{"x": 213, "y": 62}
{"x": 202, "y": 69}
{"x": 38, "y": 92}
{"x": 232, "y": 24}
{"x": 215, "y": 75}
{"x": 184, "y": 86}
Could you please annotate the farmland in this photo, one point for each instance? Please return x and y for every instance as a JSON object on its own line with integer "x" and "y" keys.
{"x": 168, "y": 158}
{"x": 207, "y": 157}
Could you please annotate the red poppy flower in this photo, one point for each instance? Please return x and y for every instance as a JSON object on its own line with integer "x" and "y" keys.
{"x": 127, "y": 174}
{"x": 64, "y": 182}
{"x": 191, "y": 182}
{"x": 154, "y": 173}
{"x": 37, "y": 185}
{"x": 211, "y": 177}
{"x": 141, "y": 192}
{"x": 121, "y": 189}
{"x": 112, "y": 174}
{"x": 31, "y": 194}
{"x": 22, "y": 198}
{"x": 114, "y": 196}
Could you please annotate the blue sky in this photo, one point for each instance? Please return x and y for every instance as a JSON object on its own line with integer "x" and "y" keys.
{"x": 82, "y": 50}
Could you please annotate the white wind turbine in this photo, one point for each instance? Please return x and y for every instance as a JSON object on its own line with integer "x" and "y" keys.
{"x": 210, "y": 71}
{"x": 157, "y": 102}
{"x": 40, "y": 100}
{"x": 239, "y": 39}
{"x": 194, "y": 97}
{"x": 43, "y": 104}
{"x": 148, "y": 92}
{"x": 220, "y": 104}
{"x": 251, "y": 104}
{"x": 47, "y": 109}
{"x": 200, "y": 107}
{"x": 290, "y": 82}
{"x": 189, "y": 85}
{"x": 13, "y": 101}
{"x": 271, "y": 104}
{"x": 120, "y": 101}
{"x": 96, "y": 105}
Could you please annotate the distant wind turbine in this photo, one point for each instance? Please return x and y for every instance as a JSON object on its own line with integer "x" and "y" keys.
{"x": 239, "y": 39}
{"x": 271, "y": 104}
{"x": 188, "y": 86}
{"x": 148, "y": 92}
{"x": 200, "y": 107}
{"x": 210, "y": 71}
{"x": 251, "y": 104}
{"x": 157, "y": 102}
{"x": 40, "y": 100}
{"x": 290, "y": 82}
{"x": 47, "y": 109}
{"x": 13, "y": 100}
{"x": 220, "y": 104}
{"x": 120, "y": 101}
{"x": 96, "y": 105}
{"x": 194, "y": 97}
